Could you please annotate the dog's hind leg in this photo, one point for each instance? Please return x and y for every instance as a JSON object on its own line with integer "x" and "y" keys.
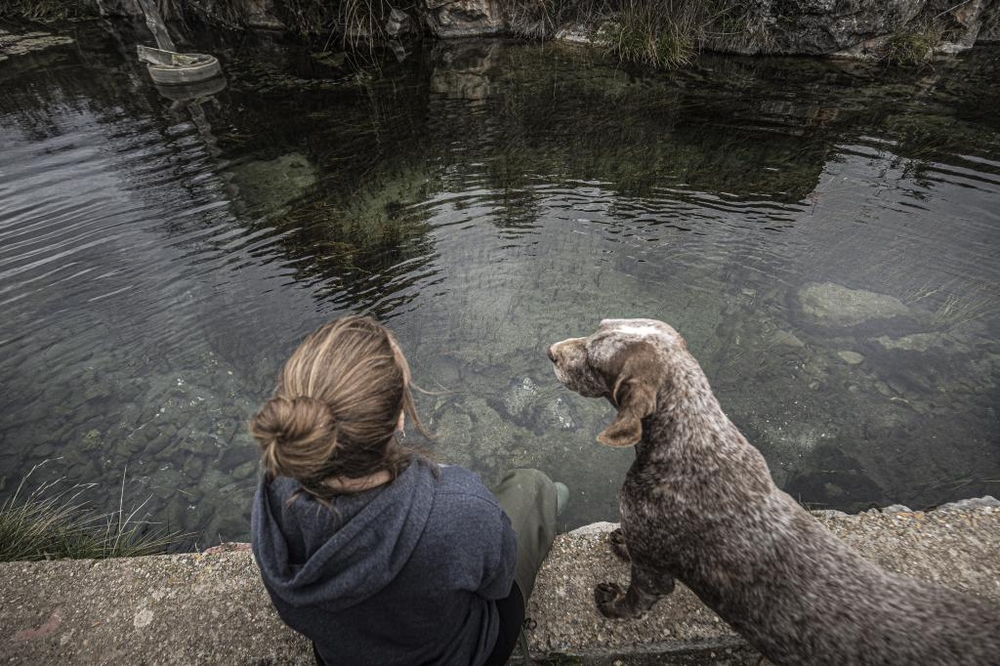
{"x": 646, "y": 588}
{"x": 617, "y": 540}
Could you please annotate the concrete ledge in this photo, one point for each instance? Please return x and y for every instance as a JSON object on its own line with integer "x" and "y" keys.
{"x": 210, "y": 608}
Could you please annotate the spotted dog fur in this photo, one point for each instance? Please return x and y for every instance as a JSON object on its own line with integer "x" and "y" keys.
{"x": 699, "y": 505}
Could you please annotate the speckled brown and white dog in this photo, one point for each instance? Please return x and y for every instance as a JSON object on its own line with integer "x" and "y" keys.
{"x": 699, "y": 505}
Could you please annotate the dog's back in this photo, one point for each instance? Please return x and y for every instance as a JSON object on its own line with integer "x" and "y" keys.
{"x": 702, "y": 498}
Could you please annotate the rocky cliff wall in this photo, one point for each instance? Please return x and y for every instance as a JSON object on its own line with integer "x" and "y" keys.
{"x": 820, "y": 27}
{"x": 809, "y": 27}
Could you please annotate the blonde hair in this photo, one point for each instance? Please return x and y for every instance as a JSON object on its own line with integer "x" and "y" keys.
{"x": 335, "y": 411}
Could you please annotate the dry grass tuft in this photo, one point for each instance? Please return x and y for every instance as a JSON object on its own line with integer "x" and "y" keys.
{"x": 52, "y": 523}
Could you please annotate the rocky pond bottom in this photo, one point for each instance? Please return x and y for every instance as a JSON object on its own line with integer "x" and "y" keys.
{"x": 823, "y": 234}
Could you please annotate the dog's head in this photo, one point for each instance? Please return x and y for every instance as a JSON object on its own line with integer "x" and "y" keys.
{"x": 622, "y": 361}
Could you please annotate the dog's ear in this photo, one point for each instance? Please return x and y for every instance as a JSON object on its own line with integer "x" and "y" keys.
{"x": 634, "y": 394}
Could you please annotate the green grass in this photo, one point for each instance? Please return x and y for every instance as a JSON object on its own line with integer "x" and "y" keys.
{"x": 913, "y": 44}
{"x": 56, "y": 523}
{"x": 668, "y": 33}
{"x": 633, "y": 40}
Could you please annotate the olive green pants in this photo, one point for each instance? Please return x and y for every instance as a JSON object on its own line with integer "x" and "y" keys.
{"x": 528, "y": 497}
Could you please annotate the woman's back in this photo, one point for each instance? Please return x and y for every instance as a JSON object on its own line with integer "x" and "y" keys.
{"x": 404, "y": 573}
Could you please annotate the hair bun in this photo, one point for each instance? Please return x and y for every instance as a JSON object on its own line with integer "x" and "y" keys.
{"x": 299, "y": 420}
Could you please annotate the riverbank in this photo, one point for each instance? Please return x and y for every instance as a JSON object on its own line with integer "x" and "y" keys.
{"x": 651, "y": 32}
{"x": 210, "y": 608}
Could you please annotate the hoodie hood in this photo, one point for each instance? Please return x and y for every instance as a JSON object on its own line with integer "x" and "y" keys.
{"x": 311, "y": 555}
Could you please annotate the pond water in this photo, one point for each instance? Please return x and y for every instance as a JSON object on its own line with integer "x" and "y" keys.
{"x": 824, "y": 234}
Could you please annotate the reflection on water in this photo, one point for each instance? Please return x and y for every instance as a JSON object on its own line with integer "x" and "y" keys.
{"x": 824, "y": 234}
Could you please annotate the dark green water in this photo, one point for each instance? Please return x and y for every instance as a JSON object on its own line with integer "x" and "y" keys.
{"x": 824, "y": 234}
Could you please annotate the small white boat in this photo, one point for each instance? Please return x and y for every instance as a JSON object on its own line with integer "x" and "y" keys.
{"x": 170, "y": 68}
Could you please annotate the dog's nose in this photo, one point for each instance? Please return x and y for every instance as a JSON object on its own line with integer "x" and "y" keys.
{"x": 552, "y": 354}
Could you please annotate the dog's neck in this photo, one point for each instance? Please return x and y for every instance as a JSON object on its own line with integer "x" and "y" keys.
{"x": 690, "y": 438}
{"x": 687, "y": 413}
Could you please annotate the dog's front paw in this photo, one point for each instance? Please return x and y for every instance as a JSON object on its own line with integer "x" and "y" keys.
{"x": 617, "y": 540}
{"x": 610, "y": 599}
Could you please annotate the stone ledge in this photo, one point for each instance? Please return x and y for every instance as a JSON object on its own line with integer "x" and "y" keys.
{"x": 210, "y": 608}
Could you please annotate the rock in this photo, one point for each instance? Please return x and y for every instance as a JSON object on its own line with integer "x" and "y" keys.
{"x": 454, "y": 435}
{"x": 332, "y": 59}
{"x": 851, "y": 358}
{"x": 462, "y": 18}
{"x": 92, "y": 441}
{"x": 520, "y": 396}
{"x": 811, "y": 27}
{"x": 236, "y": 456}
{"x": 166, "y": 481}
{"x": 786, "y": 339}
{"x": 971, "y": 503}
{"x": 492, "y": 435}
{"x": 194, "y": 467}
{"x": 523, "y": 401}
{"x": 398, "y": 24}
{"x": 576, "y": 33}
{"x": 861, "y": 28}
{"x": 961, "y": 22}
{"x": 186, "y": 443}
{"x": 819, "y": 27}
{"x": 43, "y": 450}
{"x": 118, "y": 7}
{"x": 843, "y": 28}
{"x": 832, "y": 304}
{"x": 557, "y": 414}
{"x": 921, "y": 342}
{"x": 245, "y": 471}
{"x": 896, "y": 508}
{"x": 990, "y": 29}
{"x": 261, "y": 14}
{"x": 272, "y": 184}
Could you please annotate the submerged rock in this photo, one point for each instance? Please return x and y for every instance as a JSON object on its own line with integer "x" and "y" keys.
{"x": 921, "y": 342}
{"x": 272, "y": 184}
{"x": 557, "y": 415}
{"x": 850, "y": 357}
{"x": 473, "y": 434}
{"x": 520, "y": 396}
{"x": 454, "y": 436}
{"x": 832, "y": 304}
{"x": 786, "y": 339}
{"x": 542, "y": 411}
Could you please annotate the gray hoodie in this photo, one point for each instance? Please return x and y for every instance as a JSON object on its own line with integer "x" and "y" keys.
{"x": 402, "y": 574}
